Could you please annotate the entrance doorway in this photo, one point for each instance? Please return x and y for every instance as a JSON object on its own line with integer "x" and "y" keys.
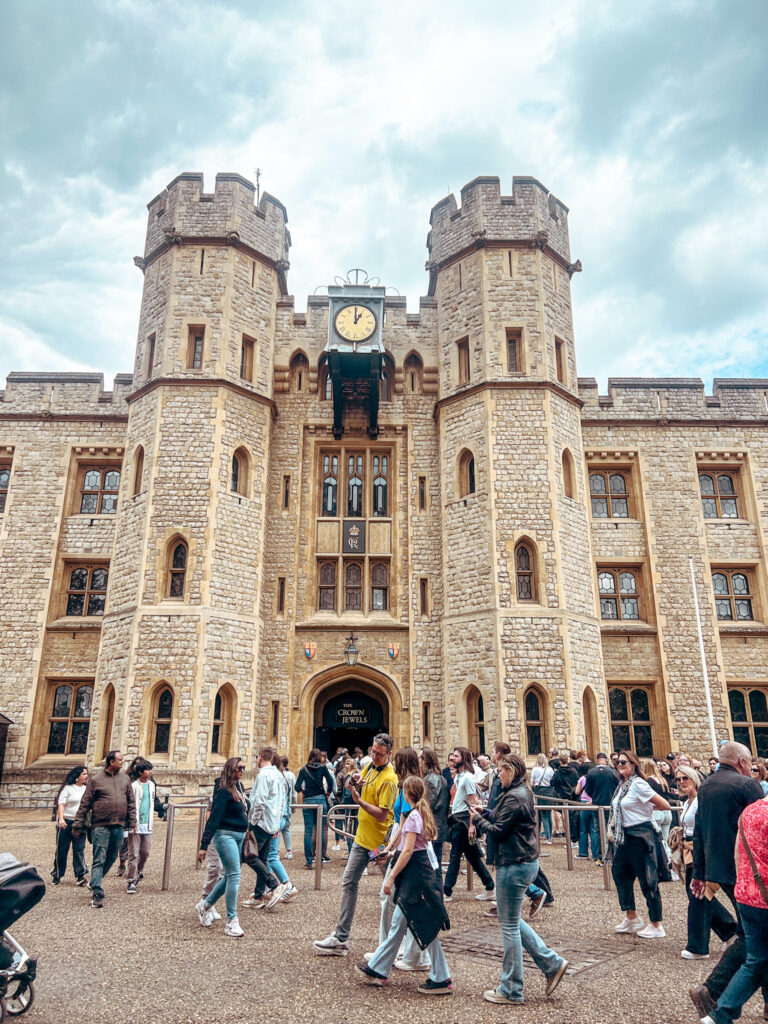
{"x": 349, "y": 715}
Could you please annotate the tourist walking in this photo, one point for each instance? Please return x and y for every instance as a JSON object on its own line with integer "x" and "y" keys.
{"x": 109, "y": 797}
{"x": 66, "y": 807}
{"x": 140, "y": 841}
{"x": 751, "y": 894}
{"x": 267, "y": 804}
{"x": 722, "y": 799}
{"x": 415, "y": 888}
{"x": 226, "y": 827}
{"x": 463, "y": 836}
{"x": 702, "y": 914}
{"x": 541, "y": 783}
{"x": 632, "y": 847}
{"x": 374, "y": 791}
{"x": 314, "y": 782}
{"x": 439, "y": 799}
{"x": 510, "y": 829}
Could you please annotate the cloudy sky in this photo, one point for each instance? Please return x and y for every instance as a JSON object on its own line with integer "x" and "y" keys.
{"x": 648, "y": 120}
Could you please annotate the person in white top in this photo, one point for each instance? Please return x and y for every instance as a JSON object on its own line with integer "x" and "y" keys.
{"x": 632, "y": 847}
{"x": 285, "y": 824}
{"x": 67, "y": 803}
{"x": 699, "y": 921}
{"x": 140, "y": 841}
{"x": 541, "y": 784}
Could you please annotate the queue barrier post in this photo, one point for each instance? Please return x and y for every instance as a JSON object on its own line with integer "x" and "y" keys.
{"x": 603, "y": 849}
{"x": 568, "y": 845}
{"x": 173, "y": 807}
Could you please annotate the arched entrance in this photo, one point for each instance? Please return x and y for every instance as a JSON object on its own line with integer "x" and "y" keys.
{"x": 349, "y": 714}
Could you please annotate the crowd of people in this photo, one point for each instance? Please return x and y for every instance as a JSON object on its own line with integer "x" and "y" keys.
{"x": 666, "y": 820}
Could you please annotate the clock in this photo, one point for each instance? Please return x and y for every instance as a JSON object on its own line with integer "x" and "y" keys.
{"x": 355, "y": 323}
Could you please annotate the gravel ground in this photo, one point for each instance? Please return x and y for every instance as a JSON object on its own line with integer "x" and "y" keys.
{"x": 145, "y": 958}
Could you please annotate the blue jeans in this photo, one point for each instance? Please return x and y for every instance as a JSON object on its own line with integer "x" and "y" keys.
{"x": 106, "y": 845}
{"x": 229, "y": 846}
{"x": 285, "y": 831}
{"x": 512, "y": 880}
{"x": 310, "y": 817}
{"x": 589, "y": 832}
{"x": 273, "y": 860}
{"x": 384, "y": 957}
{"x": 545, "y": 817}
{"x": 753, "y": 972}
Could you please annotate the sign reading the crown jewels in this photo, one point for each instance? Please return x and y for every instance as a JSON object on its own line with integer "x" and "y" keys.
{"x": 354, "y": 537}
{"x": 348, "y": 713}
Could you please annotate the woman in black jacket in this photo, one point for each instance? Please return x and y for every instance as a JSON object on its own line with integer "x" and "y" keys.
{"x": 511, "y": 831}
{"x": 316, "y": 784}
{"x": 226, "y": 827}
{"x": 439, "y": 797}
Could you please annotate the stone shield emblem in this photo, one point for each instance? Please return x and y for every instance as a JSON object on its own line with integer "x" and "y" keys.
{"x": 310, "y": 650}
{"x": 393, "y": 651}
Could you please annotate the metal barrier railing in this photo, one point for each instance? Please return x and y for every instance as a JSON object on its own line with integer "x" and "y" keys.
{"x": 566, "y": 808}
{"x": 202, "y": 807}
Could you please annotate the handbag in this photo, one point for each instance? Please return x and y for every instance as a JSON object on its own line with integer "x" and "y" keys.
{"x": 250, "y": 846}
{"x": 759, "y": 881}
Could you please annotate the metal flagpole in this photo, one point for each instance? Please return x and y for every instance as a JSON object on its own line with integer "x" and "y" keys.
{"x": 704, "y": 663}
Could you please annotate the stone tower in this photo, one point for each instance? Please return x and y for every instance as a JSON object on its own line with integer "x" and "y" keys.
{"x": 181, "y": 634}
{"x": 519, "y": 583}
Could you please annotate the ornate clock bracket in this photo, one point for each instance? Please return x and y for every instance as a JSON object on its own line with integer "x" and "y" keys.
{"x": 373, "y": 395}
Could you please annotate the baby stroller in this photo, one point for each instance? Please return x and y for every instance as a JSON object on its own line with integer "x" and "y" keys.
{"x": 21, "y": 887}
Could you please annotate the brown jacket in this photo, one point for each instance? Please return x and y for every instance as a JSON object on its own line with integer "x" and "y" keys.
{"x": 110, "y": 798}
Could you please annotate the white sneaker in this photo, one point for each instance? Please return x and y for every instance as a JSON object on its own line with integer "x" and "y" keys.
{"x": 486, "y": 894}
{"x": 368, "y": 956}
{"x": 629, "y": 927}
{"x": 257, "y": 902}
{"x": 215, "y": 915}
{"x": 447, "y": 899}
{"x": 335, "y": 846}
{"x": 276, "y": 895}
{"x": 288, "y": 856}
{"x": 652, "y": 932}
{"x": 330, "y": 946}
{"x": 365, "y": 871}
{"x": 401, "y": 965}
{"x": 290, "y": 892}
{"x": 233, "y": 928}
{"x": 687, "y": 955}
{"x": 204, "y": 913}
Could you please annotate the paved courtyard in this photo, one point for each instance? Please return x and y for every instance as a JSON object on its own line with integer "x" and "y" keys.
{"x": 145, "y": 958}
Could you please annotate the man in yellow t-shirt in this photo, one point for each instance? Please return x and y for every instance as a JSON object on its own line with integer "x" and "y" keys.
{"x": 375, "y": 793}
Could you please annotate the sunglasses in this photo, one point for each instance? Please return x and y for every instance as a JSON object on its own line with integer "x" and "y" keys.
{"x": 754, "y": 769}
{"x": 682, "y": 778}
{"x": 623, "y": 762}
{"x": 239, "y": 767}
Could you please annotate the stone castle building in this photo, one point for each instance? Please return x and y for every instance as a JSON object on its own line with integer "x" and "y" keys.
{"x": 512, "y": 554}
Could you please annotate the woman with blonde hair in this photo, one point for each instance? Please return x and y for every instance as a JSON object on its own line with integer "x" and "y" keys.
{"x": 541, "y": 784}
{"x": 659, "y": 784}
{"x": 702, "y": 914}
{"x": 418, "y": 898}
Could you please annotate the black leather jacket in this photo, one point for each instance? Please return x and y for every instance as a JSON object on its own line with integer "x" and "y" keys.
{"x": 510, "y": 827}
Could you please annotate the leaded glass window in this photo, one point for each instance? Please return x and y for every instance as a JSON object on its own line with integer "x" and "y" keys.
{"x": 326, "y": 600}
{"x": 70, "y": 718}
{"x": 178, "y": 570}
{"x": 618, "y": 594}
{"x": 162, "y": 721}
{"x": 631, "y": 720}
{"x": 379, "y": 587}
{"x": 87, "y": 590}
{"x": 330, "y": 484}
{"x": 380, "y": 473}
{"x": 353, "y": 587}
{"x": 524, "y": 573}
{"x": 609, "y": 495}
{"x": 355, "y": 485}
{"x": 749, "y": 717}
{"x": 733, "y": 597}
{"x": 99, "y": 491}
{"x": 719, "y": 498}
{"x": 534, "y": 722}
{"x": 5, "y": 479}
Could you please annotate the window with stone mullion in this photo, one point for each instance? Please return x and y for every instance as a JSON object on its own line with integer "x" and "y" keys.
{"x": 618, "y": 594}
{"x": 87, "y": 590}
{"x": 733, "y": 597}
{"x": 719, "y": 497}
{"x": 608, "y": 495}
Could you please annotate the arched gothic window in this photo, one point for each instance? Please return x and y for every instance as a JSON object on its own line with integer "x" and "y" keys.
{"x": 525, "y": 571}
{"x": 330, "y": 484}
{"x": 138, "y": 470}
{"x": 239, "y": 472}
{"x": 475, "y": 720}
{"x": 177, "y": 570}
{"x": 380, "y": 474}
{"x": 299, "y": 373}
{"x": 534, "y": 721}
{"x": 353, "y": 587}
{"x": 223, "y": 719}
{"x": 569, "y": 475}
{"x": 355, "y": 485}
{"x": 379, "y": 587}
{"x": 466, "y": 473}
{"x": 413, "y": 370}
{"x": 161, "y": 723}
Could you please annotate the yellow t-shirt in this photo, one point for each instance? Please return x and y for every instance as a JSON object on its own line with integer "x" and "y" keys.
{"x": 379, "y": 787}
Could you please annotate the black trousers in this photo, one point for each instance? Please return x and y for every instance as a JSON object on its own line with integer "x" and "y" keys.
{"x": 704, "y": 915}
{"x": 632, "y": 861}
{"x": 265, "y": 880}
{"x": 65, "y": 839}
{"x": 461, "y": 847}
{"x": 733, "y": 957}
{"x": 542, "y": 882}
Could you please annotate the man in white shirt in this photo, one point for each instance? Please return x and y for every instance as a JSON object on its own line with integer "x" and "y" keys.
{"x": 267, "y": 805}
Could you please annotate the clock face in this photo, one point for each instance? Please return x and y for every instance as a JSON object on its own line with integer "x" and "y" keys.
{"x": 355, "y": 323}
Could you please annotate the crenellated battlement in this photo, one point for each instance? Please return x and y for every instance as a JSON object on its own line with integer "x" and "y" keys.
{"x": 64, "y": 394}
{"x": 531, "y": 215}
{"x": 675, "y": 398}
{"x": 183, "y": 210}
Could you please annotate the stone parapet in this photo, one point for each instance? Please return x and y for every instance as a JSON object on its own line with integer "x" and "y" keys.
{"x": 530, "y": 215}
{"x": 67, "y": 394}
{"x": 676, "y": 398}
